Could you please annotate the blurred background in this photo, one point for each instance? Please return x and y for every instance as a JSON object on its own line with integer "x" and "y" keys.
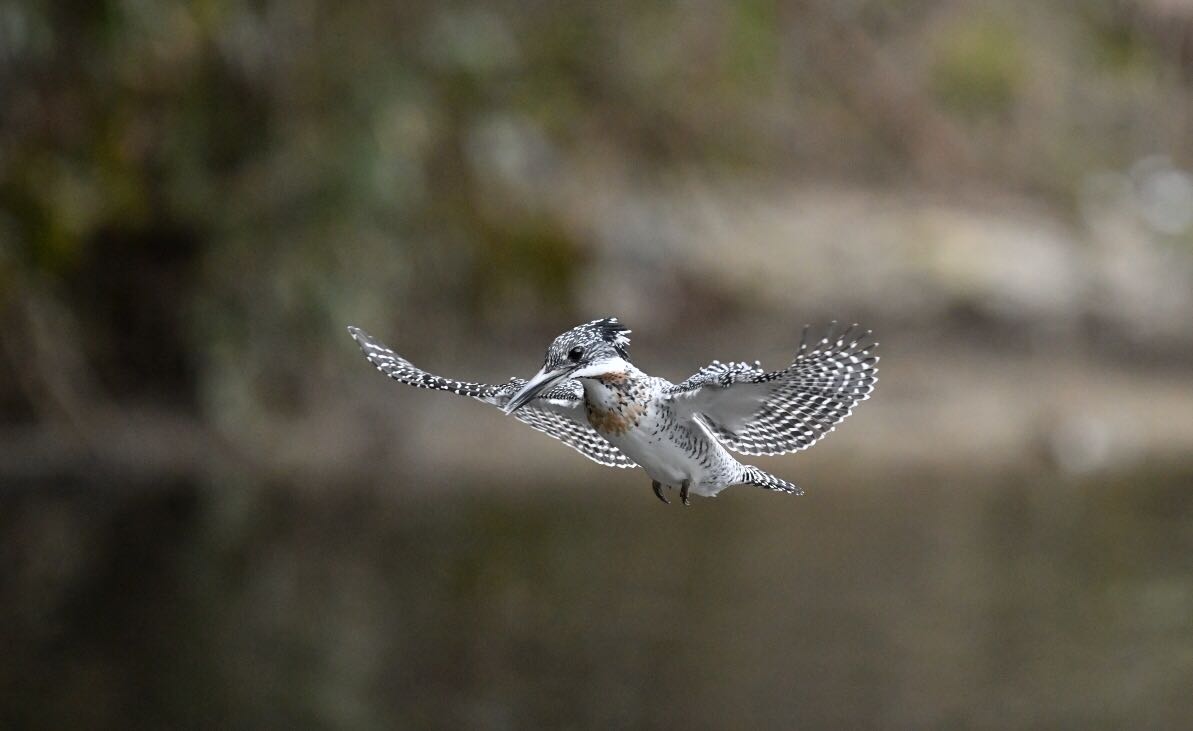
{"x": 215, "y": 513}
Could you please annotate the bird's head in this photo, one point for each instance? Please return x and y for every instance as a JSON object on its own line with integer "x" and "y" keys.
{"x": 586, "y": 351}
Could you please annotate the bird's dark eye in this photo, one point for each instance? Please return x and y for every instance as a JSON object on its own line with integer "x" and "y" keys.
{"x": 575, "y": 354}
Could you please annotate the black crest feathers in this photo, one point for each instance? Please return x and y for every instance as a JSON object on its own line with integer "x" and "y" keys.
{"x": 614, "y": 333}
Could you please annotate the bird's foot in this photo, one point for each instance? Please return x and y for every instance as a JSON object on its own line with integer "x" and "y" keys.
{"x": 658, "y": 491}
{"x": 683, "y": 491}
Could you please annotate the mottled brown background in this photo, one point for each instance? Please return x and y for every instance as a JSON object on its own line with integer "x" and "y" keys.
{"x": 214, "y": 514}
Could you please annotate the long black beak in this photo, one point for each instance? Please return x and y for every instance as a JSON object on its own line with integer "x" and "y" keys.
{"x": 542, "y": 381}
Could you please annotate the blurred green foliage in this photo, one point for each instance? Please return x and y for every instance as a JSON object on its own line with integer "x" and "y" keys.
{"x": 256, "y": 174}
{"x": 978, "y": 67}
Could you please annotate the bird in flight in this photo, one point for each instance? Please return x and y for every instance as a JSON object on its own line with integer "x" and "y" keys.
{"x": 592, "y": 398}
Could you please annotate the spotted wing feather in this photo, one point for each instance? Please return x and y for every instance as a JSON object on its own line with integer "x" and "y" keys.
{"x": 560, "y": 424}
{"x": 558, "y": 413}
{"x": 758, "y": 412}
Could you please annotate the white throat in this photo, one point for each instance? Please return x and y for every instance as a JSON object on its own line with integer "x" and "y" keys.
{"x": 604, "y": 367}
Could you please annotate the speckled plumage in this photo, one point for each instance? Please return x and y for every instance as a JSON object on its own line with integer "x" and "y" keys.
{"x": 555, "y": 413}
{"x": 589, "y": 396}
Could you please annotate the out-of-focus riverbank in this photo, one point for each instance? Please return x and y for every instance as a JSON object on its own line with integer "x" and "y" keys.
{"x": 946, "y": 412}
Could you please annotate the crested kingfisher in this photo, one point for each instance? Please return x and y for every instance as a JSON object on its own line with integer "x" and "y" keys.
{"x": 592, "y": 398}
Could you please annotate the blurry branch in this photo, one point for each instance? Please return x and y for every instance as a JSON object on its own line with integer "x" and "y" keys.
{"x": 885, "y": 97}
{"x": 40, "y": 342}
{"x": 1166, "y": 23}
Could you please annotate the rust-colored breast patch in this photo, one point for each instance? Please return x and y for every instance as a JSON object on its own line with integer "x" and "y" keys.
{"x": 617, "y": 420}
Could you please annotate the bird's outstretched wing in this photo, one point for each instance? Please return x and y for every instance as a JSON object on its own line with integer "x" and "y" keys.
{"x": 559, "y": 412}
{"x": 757, "y": 412}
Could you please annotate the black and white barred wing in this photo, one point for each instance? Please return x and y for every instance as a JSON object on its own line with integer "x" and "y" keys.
{"x": 756, "y": 412}
{"x": 558, "y": 413}
{"x": 566, "y": 420}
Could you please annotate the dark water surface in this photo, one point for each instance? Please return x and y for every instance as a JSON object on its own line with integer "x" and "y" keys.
{"x": 920, "y": 603}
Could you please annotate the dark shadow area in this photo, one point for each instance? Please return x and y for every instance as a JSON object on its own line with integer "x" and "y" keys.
{"x": 912, "y": 604}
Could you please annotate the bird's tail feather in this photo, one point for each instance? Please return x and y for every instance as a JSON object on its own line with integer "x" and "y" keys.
{"x": 754, "y": 476}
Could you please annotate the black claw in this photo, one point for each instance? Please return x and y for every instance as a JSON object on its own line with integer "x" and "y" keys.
{"x": 683, "y": 491}
{"x": 658, "y": 491}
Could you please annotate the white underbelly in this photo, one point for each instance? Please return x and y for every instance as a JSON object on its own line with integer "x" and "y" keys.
{"x": 671, "y": 449}
{"x": 667, "y": 461}
{"x": 662, "y": 459}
